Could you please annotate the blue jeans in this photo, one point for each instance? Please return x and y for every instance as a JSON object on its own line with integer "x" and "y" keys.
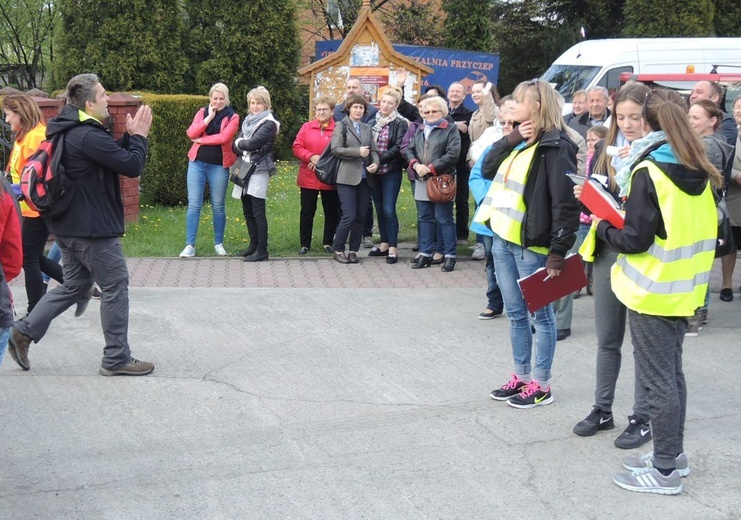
{"x": 428, "y": 215}
{"x": 385, "y": 193}
{"x": 4, "y": 335}
{"x": 493, "y": 294}
{"x": 514, "y": 262}
{"x": 54, "y": 255}
{"x": 218, "y": 178}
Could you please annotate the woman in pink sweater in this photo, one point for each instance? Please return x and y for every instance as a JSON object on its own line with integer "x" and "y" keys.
{"x": 211, "y": 155}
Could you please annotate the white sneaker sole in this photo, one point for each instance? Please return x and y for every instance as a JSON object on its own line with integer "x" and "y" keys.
{"x": 655, "y": 490}
{"x": 530, "y": 405}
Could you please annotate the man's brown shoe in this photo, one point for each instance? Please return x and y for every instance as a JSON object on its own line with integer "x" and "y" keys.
{"x": 18, "y": 345}
{"x": 132, "y": 368}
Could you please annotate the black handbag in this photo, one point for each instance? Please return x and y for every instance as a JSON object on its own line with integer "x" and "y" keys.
{"x": 241, "y": 171}
{"x": 725, "y": 244}
{"x": 328, "y": 165}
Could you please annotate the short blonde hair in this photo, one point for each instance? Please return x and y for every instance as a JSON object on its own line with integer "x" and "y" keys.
{"x": 222, "y": 89}
{"x": 437, "y": 101}
{"x": 261, "y": 95}
{"x": 394, "y": 92}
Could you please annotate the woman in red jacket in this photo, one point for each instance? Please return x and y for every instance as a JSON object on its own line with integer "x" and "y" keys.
{"x": 211, "y": 155}
{"x": 310, "y": 142}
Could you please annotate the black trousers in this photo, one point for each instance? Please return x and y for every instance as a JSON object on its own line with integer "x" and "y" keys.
{"x": 462, "y": 213}
{"x": 257, "y": 221}
{"x": 331, "y": 207}
{"x": 34, "y": 236}
{"x": 354, "y": 203}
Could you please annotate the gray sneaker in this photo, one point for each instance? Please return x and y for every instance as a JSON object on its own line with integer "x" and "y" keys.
{"x": 132, "y": 368}
{"x": 636, "y": 463}
{"x": 18, "y": 345}
{"x": 650, "y": 480}
{"x": 479, "y": 252}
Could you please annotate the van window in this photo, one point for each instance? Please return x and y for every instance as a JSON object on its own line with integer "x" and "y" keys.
{"x": 733, "y": 91}
{"x": 611, "y": 79}
{"x": 567, "y": 79}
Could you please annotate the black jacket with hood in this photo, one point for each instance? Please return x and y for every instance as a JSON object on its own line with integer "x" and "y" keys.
{"x": 552, "y": 211}
{"x": 94, "y": 161}
{"x": 643, "y": 219}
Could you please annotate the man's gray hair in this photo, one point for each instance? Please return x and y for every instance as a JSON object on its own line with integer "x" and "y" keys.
{"x": 81, "y": 89}
{"x": 604, "y": 91}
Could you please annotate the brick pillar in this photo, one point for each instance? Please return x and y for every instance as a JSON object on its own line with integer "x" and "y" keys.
{"x": 49, "y": 107}
{"x": 118, "y": 106}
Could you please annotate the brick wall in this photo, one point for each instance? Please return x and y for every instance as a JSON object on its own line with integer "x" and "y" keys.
{"x": 118, "y": 106}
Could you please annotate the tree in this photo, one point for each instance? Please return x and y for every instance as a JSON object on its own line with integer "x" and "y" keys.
{"x": 130, "y": 44}
{"x": 468, "y": 25}
{"x": 246, "y": 44}
{"x": 727, "y": 18}
{"x": 664, "y": 18}
{"x": 26, "y": 31}
{"x": 521, "y": 30}
{"x": 413, "y": 22}
{"x": 600, "y": 18}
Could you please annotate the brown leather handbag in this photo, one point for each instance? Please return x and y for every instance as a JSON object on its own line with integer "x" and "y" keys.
{"x": 441, "y": 188}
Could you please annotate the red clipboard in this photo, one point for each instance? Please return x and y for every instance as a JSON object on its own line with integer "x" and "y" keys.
{"x": 601, "y": 203}
{"x": 539, "y": 289}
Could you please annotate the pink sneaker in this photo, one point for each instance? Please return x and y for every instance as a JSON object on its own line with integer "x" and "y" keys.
{"x": 509, "y": 389}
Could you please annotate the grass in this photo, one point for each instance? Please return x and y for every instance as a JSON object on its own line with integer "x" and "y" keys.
{"x": 160, "y": 231}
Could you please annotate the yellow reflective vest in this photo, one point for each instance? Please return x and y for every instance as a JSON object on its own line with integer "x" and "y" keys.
{"x": 504, "y": 204}
{"x": 670, "y": 279}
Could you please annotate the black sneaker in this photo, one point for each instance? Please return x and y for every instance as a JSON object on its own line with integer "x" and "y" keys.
{"x": 635, "y": 435}
{"x": 508, "y": 389}
{"x": 596, "y": 420}
{"x": 530, "y": 396}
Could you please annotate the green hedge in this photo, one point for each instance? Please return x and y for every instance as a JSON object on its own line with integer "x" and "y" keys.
{"x": 164, "y": 178}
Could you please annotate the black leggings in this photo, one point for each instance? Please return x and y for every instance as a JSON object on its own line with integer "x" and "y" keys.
{"x": 257, "y": 221}
{"x": 35, "y": 234}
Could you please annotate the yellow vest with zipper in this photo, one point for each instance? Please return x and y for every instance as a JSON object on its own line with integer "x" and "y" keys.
{"x": 504, "y": 204}
{"x": 670, "y": 279}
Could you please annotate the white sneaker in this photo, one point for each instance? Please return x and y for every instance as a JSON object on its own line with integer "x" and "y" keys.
{"x": 479, "y": 253}
{"x": 188, "y": 252}
{"x": 219, "y": 248}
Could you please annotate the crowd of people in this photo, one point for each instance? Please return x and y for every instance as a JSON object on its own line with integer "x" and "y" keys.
{"x": 660, "y": 158}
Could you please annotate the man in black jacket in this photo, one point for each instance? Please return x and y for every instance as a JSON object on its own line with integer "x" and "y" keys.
{"x": 462, "y": 117}
{"x": 89, "y": 232}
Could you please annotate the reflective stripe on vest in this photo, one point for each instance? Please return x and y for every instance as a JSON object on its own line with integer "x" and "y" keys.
{"x": 586, "y": 250}
{"x": 504, "y": 204}
{"x": 670, "y": 279}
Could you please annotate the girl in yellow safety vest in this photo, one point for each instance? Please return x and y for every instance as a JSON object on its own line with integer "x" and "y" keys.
{"x": 609, "y": 313}
{"x": 661, "y": 276}
{"x": 532, "y": 212}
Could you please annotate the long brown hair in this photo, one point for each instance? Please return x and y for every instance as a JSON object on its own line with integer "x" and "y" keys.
{"x": 665, "y": 110}
{"x": 635, "y": 92}
{"x": 29, "y": 112}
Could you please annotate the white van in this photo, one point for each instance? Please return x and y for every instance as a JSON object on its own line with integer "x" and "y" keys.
{"x": 600, "y": 62}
